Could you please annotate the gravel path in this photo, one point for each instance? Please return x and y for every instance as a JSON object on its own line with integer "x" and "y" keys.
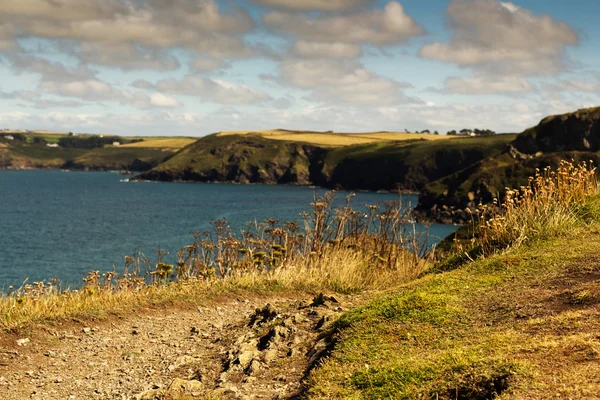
{"x": 239, "y": 349}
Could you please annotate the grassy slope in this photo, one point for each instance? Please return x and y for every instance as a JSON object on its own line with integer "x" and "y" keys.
{"x": 23, "y": 155}
{"x": 244, "y": 158}
{"x": 333, "y": 139}
{"x": 524, "y": 324}
{"x": 488, "y": 178}
{"x": 413, "y": 164}
{"x": 381, "y": 165}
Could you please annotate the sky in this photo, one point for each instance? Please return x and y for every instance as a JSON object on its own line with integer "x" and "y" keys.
{"x": 194, "y": 67}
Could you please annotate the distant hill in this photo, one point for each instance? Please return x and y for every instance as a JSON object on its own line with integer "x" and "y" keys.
{"x": 302, "y": 158}
{"x": 50, "y": 150}
{"x": 571, "y": 136}
{"x": 576, "y": 131}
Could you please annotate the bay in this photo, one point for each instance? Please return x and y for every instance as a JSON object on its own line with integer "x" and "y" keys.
{"x": 58, "y": 224}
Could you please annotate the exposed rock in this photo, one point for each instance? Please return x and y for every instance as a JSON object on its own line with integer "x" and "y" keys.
{"x": 576, "y": 131}
{"x": 262, "y": 315}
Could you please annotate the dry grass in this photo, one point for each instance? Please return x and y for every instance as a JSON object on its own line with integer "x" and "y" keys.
{"x": 550, "y": 205}
{"x": 340, "y": 250}
{"x": 171, "y": 143}
{"x": 337, "y": 139}
{"x": 402, "y": 136}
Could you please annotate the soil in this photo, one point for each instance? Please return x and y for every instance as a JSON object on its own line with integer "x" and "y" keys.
{"x": 237, "y": 349}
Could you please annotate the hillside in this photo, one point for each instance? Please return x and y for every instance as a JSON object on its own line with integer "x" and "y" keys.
{"x": 522, "y": 325}
{"x": 515, "y": 315}
{"x": 31, "y": 151}
{"x": 576, "y": 131}
{"x": 381, "y": 164}
{"x": 562, "y": 137}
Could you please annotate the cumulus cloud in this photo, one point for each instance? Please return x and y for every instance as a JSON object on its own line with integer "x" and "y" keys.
{"x": 207, "y": 64}
{"x": 498, "y": 37}
{"x": 487, "y": 85}
{"x": 129, "y": 33}
{"x": 575, "y": 85}
{"x": 49, "y": 70}
{"x": 315, "y": 5}
{"x": 307, "y": 49}
{"x": 97, "y": 91}
{"x": 390, "y": 26}
{"x": 340, "y": 81}
{"x": 126, "y": 56}
{"x": 215, "y": 90}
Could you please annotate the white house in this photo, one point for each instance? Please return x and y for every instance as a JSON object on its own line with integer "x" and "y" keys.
{"x": 116, "y": 143}
{"x": 52, "y": 145}
{"x": 9, "y": 137}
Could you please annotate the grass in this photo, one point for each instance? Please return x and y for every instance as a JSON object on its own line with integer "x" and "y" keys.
{"x": 382, "y": 165}
{"x": 331, "y": 139}
{"x": 338, "y": 250}
{"x": 163, "y": 143}
{"x": 108, "y": 158}
{"x": 517, "y": 324}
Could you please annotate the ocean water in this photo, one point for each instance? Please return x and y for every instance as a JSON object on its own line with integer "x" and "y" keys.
{"x": 58, "y": 224}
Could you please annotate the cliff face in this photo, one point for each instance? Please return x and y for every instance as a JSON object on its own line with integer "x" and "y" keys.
{"x": 243, "y": 159}
{"x": 563, "y": 137}
{"x": 577, "y": 131}
{"x": 378, "y": 166}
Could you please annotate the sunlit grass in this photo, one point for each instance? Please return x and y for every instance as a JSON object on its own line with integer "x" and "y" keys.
{"x": 337, "y": 139}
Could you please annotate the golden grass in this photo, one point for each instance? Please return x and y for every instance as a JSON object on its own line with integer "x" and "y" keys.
{"x": 338, "y": 250}
{"x": 552, "y": 203}
{"x": 342, "y": 271}
{"x": 171, "y": 143}
{"x": 324, "y": 139}
{"x": 402, "y": 136}
{"x": 337, "y": 139}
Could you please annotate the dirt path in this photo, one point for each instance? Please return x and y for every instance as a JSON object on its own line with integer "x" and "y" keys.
{"x": 239, "y": 350}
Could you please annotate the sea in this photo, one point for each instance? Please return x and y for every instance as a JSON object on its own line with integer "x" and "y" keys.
{"x": 61, "y": 225}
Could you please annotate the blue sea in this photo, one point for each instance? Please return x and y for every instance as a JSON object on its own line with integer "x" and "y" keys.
{"x": 59, "y": 224}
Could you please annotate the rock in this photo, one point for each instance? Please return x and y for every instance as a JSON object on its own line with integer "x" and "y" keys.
{"x": 194, "y": 331}
{"x": 187, "y": 387}
{"x": 322, "y": 321}
{"x": 270, "y": 355}
{"x": 181, "y": 362}
{"x": 274, "y": 336}
{"x": 23, "y": 342}
{"x": 244, "y": 358}
{"x": 321, "y": 300}
{"x": 253, "y": 368}
{"x": 261, "y": 316}
{"x": 87, "y": 330}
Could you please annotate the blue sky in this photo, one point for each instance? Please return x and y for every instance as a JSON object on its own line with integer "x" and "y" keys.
{"x": 193, "y": 67}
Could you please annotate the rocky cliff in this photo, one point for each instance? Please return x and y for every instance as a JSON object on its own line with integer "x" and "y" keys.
{"x": 576, "y": 131}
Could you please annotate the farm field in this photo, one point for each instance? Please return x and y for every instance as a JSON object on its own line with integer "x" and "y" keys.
{"x": 333, "y": 139}
{"x": 162, "y": 143}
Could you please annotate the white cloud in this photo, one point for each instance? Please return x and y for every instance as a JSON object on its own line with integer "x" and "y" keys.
{"x": 94, "y": 90}
{"x": 496, "y": 37}
{"x": 126, "y": 56}
{"x": 574, "y": 85}
{"x": 129, "y": 33}
{"x": 487, "y": 85}
{"x": 390, "y": 26}
{"x": 215, "y": 90}
{"x": 307, "y": 49}
{"x": 501, "y": 118}
{"x": 341, "y": 81}
{"x": 89, "y": 90}
{"x": 49, "y": 70}
{"x": 315, "y": 5}
{"x": 207, "y": 64}
{"x": 161, "y": 100}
